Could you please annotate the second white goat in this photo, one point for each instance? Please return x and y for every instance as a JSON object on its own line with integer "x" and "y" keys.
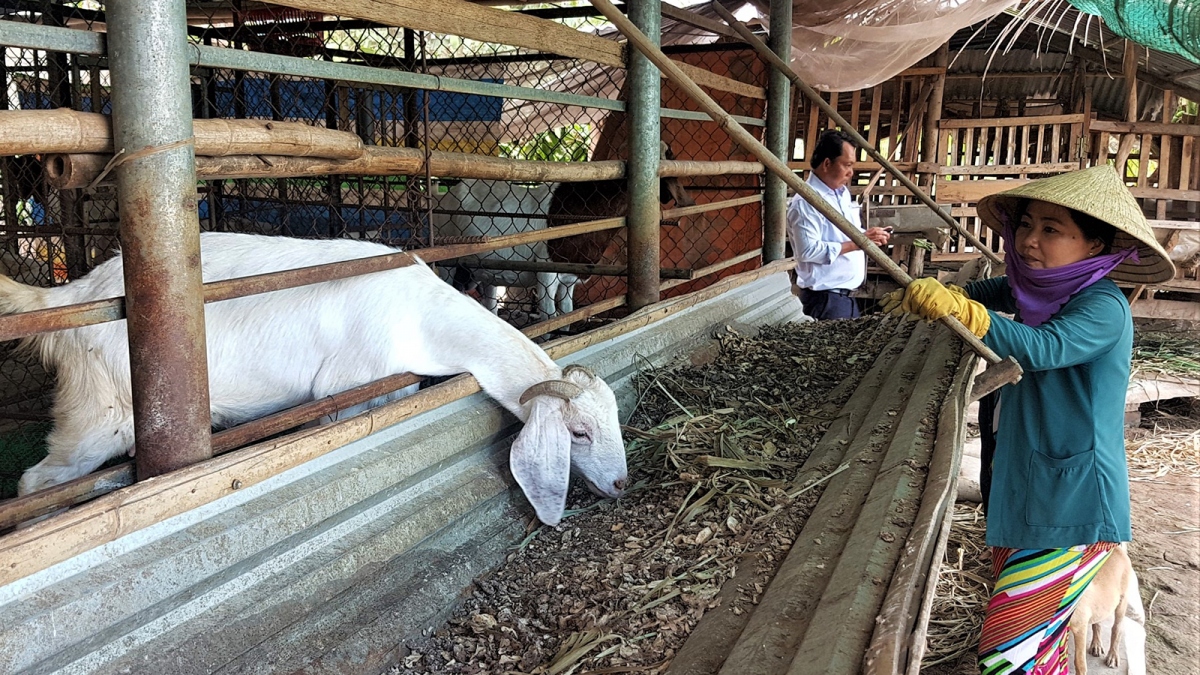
{"x": 490, "y": 208}
{"x": 275, "y": 350}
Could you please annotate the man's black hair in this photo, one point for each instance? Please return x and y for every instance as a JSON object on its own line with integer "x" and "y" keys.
{"x": 830, "y": 146}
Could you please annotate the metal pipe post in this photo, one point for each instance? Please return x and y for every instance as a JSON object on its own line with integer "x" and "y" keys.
{"x": 779, "y": 96}
{"x": 644, "y": 97}
{"x": 160, "y": 232}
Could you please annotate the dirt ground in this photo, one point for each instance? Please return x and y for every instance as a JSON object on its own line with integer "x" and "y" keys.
{"x": 1166, "y": 557}
{"x": 1165, "y": 550}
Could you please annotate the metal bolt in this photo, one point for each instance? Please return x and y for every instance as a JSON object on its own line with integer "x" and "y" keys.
{"x": 237, "y": 484}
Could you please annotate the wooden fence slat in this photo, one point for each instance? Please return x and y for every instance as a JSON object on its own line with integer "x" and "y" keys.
{"x": 1008, "y": 169}
{"x": 971, "y": 191}
{"x": 1185, "y": 162}
{"x": 1147, "y": 128}
{"x": 855, "y": 104}
{"x": 1154, "y": 193}
{"x": 1010, "y": 121}
{"x": 477, "y": 22}
{"x": 876, "y": 104}
{"x": 1144, "y": 161}
{"x": 1102, "y": 148}
{"x": 707, "y": 78}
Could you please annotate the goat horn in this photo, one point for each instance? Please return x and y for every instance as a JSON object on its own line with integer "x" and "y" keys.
{"x": 556, "y": 388}
{"x": 577, "y": 368}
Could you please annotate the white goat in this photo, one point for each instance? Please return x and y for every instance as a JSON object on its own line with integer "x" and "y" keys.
{"x": 553, "y": 291}
{"x": 271, "y": 351}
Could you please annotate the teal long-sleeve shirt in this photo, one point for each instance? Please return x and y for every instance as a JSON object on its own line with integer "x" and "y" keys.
{"x": 1059, "y": 476}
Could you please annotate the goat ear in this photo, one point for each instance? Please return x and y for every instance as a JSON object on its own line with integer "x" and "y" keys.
{"x": 540, "y": 459}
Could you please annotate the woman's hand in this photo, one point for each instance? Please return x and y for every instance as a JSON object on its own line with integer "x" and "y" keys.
{"x": 931, "y": 300}
{"x": 890, "y": 303}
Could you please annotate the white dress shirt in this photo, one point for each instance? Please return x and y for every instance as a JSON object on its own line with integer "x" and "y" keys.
{"x": 817, "y": 243}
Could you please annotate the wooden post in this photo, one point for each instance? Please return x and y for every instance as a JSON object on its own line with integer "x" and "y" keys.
{"x": 1129, "y": 66}
{"x": 933, "y": 115}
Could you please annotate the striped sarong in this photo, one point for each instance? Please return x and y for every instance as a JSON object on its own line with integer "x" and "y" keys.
{"x": 1025, "y": 628}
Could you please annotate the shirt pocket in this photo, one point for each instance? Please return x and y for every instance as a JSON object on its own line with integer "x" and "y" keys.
{"x": 1063, "y": 492}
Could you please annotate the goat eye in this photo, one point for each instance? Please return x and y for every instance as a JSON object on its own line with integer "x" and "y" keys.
{"x": 580, "y": 435}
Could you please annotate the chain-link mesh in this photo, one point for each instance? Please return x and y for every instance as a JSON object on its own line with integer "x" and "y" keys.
{"x": 54, "y": 236}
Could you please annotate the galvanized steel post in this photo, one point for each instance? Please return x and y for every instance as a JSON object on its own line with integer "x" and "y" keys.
{"x": 779, "y": 96}
{"x": 160, "y": 232}
{"x": 644, "y": 97}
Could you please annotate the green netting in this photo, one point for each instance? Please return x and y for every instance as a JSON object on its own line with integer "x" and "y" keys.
{"x": 1166, "y": 25}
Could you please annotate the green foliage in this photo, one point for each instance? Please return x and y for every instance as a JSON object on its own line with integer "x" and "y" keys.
{"x": 566, "y": 144}
{"x": 1186, "y": 109}
{"x": 20, "y": 448}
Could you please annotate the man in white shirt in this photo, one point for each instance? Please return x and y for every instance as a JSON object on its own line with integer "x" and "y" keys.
{"x": 828, "y": 265}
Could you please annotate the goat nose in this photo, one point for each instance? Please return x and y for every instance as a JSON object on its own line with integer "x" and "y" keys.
{"x": 620, "y": 483}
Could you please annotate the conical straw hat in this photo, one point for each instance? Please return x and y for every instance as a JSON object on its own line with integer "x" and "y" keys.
{"x": 1098, "y": 192}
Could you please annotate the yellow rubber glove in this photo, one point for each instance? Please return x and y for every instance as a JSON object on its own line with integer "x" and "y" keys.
{"x": 931, "y": 300}
{"x": 891, "y": 303}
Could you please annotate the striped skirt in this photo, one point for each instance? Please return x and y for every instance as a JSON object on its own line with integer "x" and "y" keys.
{"x": 1025, "y": 628}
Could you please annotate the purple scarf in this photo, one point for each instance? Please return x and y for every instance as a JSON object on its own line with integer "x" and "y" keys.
{"x": 1042, "y": 292}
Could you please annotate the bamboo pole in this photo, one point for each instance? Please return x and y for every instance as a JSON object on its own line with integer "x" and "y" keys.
{"x": 684, "y": 168}
{"x": 76, "y": 170}
{"x": 815, "y": 97}
{"x": 27, "y": 132}
{"x": 1002, "y": 372}
{"x": 578, "y": 269}
{"x": 711, "y": 206}
{"x": 376, "y": 161}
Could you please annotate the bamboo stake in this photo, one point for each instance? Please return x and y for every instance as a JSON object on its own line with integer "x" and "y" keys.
{"x": 27, "y": 132}
{"x": 76, "y": 170}
{"x": 578, "y": 269}
{"x": 772, "y": 58}
{"x": 375, "y": 161}
{"x": 1001, "y": 372}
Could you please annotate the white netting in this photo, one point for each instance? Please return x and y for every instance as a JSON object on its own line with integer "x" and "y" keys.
{"x": 844, "y": 45}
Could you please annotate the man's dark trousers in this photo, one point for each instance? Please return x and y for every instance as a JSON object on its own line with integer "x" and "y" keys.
{"x": 831, "y": 304}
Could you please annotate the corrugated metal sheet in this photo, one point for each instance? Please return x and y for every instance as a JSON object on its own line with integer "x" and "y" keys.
{"x": 1055, "y": 71}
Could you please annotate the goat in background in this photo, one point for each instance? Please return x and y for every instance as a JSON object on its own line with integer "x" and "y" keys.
{"x": 552, "y": 291}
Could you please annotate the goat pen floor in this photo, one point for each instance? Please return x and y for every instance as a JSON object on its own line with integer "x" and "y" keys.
{"x": 1165, "y": 550}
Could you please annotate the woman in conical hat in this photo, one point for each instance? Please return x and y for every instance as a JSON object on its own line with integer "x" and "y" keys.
{"x": 1059, "y": 497}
